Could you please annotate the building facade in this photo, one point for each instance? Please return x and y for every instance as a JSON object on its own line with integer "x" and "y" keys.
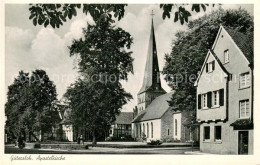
{"x": 122, "y": 127}
{"x": 66, "y": 126}
{"x": 155, "y": 119}
{"x": 225, "y": 95}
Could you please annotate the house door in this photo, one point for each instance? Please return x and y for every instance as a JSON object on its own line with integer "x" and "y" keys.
{"x": 243, "y": 142}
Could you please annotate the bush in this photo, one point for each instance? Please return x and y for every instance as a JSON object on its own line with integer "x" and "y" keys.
{"x": 168, "y": 140}
{"x": 37, "y": 145}
{"x": 51, "y": 138}
{"x": 155, "y": 142}
{"x": 123, "y": 139}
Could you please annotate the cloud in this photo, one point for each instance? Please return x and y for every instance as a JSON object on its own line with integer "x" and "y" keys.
{"x": 26, "y": 50}
{"x": 29, "y": 47}
{"x": 76, "y": 28}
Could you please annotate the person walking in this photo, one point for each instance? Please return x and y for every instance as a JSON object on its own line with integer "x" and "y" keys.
{"x": 81, "y": 140}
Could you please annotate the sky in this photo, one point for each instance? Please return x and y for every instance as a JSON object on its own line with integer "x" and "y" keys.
{"x": 29, "y": 47}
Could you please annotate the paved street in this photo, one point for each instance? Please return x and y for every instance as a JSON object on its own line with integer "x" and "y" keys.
{"x": 100, "y": 150}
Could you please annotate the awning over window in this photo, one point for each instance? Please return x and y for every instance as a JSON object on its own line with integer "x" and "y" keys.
{"x": 243, "y": 124}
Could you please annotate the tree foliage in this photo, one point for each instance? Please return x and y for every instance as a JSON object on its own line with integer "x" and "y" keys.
{"x": 29, "y": 104}
{"x": 181, "y": 14}
{"x": 97, "y": 97}
{"x": 189, "y": 50}
{"x": 56, "y": 14}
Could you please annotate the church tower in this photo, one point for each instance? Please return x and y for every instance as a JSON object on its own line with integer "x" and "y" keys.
{"x": 151, "y": 87}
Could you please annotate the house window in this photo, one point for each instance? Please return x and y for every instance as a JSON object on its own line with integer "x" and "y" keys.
{"x": 210, "y": 66}
{"x": 204, "y": 100}
{"x": 215, "y": 100}
{"x": 168, "y": 132}
{"x": 230, "y": 77}
{"x": 206, "y": 133}
{"x": 226, "y": 56}
{"x": 218, "y": 133}
{"x": 244, "y": 80}
{"x": 244, "y": 109}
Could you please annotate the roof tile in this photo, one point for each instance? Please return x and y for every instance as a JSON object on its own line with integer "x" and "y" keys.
{"x": 156, "y": 109}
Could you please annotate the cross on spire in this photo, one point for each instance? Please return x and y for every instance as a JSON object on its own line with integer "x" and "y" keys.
{"x": 152, "y": 14}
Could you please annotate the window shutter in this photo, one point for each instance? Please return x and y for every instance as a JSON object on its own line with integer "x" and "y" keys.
{"x": 199, "y": 101}
{"x": 221, "y": 97}
{"x": 207, "y": 68}
{"x": 209, "y": 99}
{"x": 213, "y": 65}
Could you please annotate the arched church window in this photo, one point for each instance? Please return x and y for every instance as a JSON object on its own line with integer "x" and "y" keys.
{"x": 147, "y": 130}
{"x": 176, "y": 127}
{"x": 151, "y": 130}
{"x": 136, "y": 130}
{"x": 143, "y": 129}
{"x": 140, "y": 134}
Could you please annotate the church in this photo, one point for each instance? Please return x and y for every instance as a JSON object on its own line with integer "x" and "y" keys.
{"x": 154, "y": 118}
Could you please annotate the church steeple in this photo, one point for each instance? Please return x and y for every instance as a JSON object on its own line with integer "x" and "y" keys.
{"x": 151, "y": 87}
{"x": 151, "y": 80}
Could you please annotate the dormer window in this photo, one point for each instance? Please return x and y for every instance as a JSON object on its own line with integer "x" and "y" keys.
{"x": 226, "y": 56}
{"x": 210, "y": 66}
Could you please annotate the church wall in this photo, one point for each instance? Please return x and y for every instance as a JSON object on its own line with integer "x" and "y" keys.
{"x": 184, "y": 134}
{"x": 177, "y": 129}
{"x": 167, "y": 126}
{"x": 155, "y": 124}
{"x": 156, "y": 129}
{"x": 68, "y": 132}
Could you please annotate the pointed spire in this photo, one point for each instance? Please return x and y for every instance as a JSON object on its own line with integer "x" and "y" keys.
{"x": 152, "y": 79}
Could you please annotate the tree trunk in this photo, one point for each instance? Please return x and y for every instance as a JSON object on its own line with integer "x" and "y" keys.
{"x": 32, "y": 134}
{"x": 85, "y": 135}
{"x": 94, "y": 137}
{"x": 42, "y": 136}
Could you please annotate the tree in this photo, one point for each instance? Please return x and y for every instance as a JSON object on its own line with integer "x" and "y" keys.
{"x": 97, "y": 97}
{"x": 95, "y": 105}
{"x": 16, "y": 104}
{"x": 189, "y": 50}
{"x": 56, "y": 14}
{"x": 31, "y": 98}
